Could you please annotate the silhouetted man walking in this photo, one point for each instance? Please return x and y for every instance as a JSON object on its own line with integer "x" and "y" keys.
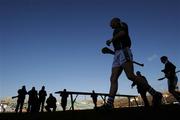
{"x": 123, "y": 60}
{"x": 170, "y": 74}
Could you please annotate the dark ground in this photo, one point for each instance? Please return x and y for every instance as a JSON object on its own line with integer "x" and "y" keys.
{"x": 168, "y": 112}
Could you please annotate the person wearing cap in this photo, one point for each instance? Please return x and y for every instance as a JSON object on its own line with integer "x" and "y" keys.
{"x": 123, "y": 61}
{"x": 170, "y": 74}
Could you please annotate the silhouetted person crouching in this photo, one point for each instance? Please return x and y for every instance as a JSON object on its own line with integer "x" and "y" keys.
{"x": 51, "y": 103}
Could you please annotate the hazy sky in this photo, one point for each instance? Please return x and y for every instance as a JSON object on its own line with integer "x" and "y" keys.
{"x": 57, "y": 43}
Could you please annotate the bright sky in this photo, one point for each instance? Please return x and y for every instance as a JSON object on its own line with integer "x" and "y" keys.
{"x": 57, "y": 43}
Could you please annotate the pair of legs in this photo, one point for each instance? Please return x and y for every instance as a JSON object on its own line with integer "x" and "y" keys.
{"x": 48, "y": 108}
{"x": 64, "y": 104}
{"x": 41, "y": 104}
{"x": 33, "y": 106}
{"x": 19, "y": 105}
{"x": 95, "y": 103}
{"x": 144, "y": 97}
{"x": 129, "y": 71}
{"x": 172, "y": 88}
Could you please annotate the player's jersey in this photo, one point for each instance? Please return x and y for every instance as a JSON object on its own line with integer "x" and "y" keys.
{"x": 123, "y": 42}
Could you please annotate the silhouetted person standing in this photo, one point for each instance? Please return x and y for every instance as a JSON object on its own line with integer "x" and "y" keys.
{"x": 64, "y": 95}
{"x": 123, "y": 60}
{"x": 21, "y": 97}
{"x": 51, "y": 103}
{"x": 33, "y": 103}
{"x": 42, "y": 98}
{"x": 94, "y": 98}
{"x": 141, "y": 90}
{"x": 170, "y": 74}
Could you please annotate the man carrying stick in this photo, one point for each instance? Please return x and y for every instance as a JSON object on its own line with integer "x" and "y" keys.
{"x": 170, "y": 74}
{"x": 123, "y": 60}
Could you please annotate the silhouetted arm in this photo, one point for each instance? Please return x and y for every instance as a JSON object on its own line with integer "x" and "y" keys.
{"x": 120, "y": 34}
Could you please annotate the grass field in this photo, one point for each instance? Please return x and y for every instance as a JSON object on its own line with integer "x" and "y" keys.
{"x": 168, "y": 112}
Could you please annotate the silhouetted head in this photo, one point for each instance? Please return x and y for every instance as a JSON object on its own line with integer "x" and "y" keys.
{"x": 138, "y": 73}
{"x": 50, "y": 95}
{"x": 33, "y": 88}
{"x": 115, "y": 22}
{"x": 93, "y": 91}
{"x": 23, "y": 87}
{"x": 116, "y": 19}
{"x": 164, "y": 59}
{"x": 43, "y": 87}
{"x": 64, "y": 90}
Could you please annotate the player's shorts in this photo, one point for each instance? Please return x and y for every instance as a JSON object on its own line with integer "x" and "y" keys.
{"x": 119, "y": 57}
{"x": 172, "y": 84}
